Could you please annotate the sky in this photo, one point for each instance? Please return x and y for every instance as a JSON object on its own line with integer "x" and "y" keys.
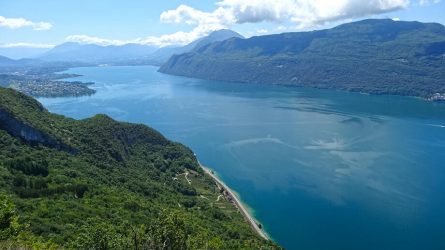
{"x": 42, "y": 24}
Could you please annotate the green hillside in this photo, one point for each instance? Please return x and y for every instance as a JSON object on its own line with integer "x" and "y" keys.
{"x": 372, "y": 56}
{"x": 101, "y": 184}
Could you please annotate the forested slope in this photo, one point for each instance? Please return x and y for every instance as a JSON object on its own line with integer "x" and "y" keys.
{"x": 101, "y": 184}
{"x": 378, "y": 56}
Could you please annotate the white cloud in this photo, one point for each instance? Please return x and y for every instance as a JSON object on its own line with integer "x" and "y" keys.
{"x": 227, "y": 13}
{"x": 303, "y": 13}
{"x": 258, "y": 10}
{"x": 15, "y": 23}
{"x": 159, "y": 41}
{"x": 313, "y": 13}
{"x": 180, "y": 37}
{"x": 204, "y": 26}
{"x": 205, "y": 23}
{"x": 191, "y": 16}
{"x": 85, "y": 39}
{"x": 262, "y": 31}
{"x": 27, "y": 45}
{"x": 281, "y": 28}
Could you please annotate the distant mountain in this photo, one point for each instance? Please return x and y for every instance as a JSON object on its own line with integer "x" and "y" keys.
{"x": 5, "y": 61}
{"x": 22, "y": 52}
{"x": 163, "y": 54}
{"x": 92, "y": 53}
{"x": 216, "y": 36}
{"x": 32, "y": 66}
{"x": 374, "y": 56}
{"x": 127, "y": 54}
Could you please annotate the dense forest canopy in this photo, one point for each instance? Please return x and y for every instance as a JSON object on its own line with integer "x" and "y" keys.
{"x": 101, "y": 184}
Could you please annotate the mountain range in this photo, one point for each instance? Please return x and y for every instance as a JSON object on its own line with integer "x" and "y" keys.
{"x": 19, "y": 52}
{"x": 6, "y": 61}
{"x": 92, "y": 53}
{"x": 378, "y": 56}
{"x": 128, "y": 53}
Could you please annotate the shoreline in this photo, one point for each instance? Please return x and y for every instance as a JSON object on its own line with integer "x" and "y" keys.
{"x": 237, "y": 202}
{"x": 428, "y": 99}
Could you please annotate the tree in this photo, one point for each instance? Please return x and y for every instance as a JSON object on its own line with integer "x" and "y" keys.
{"x": 168, "y": 232}
{"x": 14, "y": 235}
{"x": 97, "y": 235}
{"x": 9, "y": 220}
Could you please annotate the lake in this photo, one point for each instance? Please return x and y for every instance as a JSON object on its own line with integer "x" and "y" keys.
{"x": 321, "y": 169}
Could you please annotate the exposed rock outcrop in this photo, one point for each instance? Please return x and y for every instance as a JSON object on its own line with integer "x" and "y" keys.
{"x": 31, "y": 135}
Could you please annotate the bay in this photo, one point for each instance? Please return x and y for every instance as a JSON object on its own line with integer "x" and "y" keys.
{"x": 320, "y": 169}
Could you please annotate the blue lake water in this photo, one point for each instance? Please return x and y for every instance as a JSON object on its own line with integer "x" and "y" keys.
{"x": 320, "y": 169}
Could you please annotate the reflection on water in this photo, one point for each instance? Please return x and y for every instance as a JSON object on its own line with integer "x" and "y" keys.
{"x": 321, "y": 169}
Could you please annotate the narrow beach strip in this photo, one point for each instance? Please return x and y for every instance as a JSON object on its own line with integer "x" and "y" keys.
{"x": 237, "y": 203}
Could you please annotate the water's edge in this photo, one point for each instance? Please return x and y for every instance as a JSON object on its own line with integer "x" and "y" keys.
{"x": 237, "y": 202}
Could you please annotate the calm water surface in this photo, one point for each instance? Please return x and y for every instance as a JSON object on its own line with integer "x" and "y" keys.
{"x": 320, "y": 169}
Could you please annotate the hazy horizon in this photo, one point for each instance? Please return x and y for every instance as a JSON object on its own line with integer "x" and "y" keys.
{"x": 30, "y": 28}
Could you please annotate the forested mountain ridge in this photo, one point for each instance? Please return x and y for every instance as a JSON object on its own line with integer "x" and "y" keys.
{"x": 378, "y": 56}
{"x": 101, "y": 184}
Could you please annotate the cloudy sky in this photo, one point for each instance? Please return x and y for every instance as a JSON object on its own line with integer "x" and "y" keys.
{"x": 45, "y": 23}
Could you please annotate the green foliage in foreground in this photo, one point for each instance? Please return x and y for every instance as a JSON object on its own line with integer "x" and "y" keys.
{"x": 101, "y": 184}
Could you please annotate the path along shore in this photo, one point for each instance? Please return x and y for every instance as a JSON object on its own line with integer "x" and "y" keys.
{"x": 231, "y": 196}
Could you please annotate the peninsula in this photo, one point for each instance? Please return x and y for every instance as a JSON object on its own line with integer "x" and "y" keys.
{"x": 43, "y": 80}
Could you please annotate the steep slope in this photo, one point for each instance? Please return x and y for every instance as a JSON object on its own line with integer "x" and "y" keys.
{"x": 163, "y": 54}
{"x": 101, "y": 184}
{"x": 373, "y": 56}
